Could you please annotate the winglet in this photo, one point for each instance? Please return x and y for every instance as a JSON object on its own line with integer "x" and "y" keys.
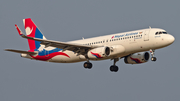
{"x": 19, "y": 30}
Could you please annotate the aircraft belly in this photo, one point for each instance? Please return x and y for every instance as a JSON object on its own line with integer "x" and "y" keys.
{"x": 64, "y": 59}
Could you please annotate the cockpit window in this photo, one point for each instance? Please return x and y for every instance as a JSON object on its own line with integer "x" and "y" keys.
{"x": 157, "y": 33}
{"x": 164, "y": 32}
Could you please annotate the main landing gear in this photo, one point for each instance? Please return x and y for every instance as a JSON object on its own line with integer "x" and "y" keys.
{"x": 152, "y": 54}
{"x": 88, "y": 65}
{"x": 114, "y": 68}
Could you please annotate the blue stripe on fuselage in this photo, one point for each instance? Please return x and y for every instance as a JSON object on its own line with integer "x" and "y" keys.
{"x": 46, "y": 52}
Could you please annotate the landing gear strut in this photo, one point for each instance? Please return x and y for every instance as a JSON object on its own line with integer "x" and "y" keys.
{"x": 114, "y": 68}
{"x": 152, "y": 54}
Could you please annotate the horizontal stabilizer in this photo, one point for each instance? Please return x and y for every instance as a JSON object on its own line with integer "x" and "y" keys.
{"x": 20, "y": 51}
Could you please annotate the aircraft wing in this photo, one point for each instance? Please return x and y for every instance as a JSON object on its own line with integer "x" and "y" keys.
{"x": 62, "y": 45}
{"x": 77, "y": 48}
{"x": 20, "y": 51}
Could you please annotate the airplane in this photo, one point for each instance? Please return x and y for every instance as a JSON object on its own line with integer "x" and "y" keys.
{"x": 132, "y": 46}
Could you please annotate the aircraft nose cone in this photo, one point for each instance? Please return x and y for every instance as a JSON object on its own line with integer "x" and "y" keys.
{"x": 171, "y": 39}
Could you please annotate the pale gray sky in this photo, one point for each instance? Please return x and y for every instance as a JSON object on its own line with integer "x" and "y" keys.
{"x": 65, "y": 20}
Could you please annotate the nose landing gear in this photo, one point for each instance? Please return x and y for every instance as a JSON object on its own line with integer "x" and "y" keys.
{"x": 152, "y": 54}
{"x": 153, "y": 59}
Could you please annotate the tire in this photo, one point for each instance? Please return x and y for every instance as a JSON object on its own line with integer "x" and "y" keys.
{"x": 87, "y": 65}
{"x": 153, "y": 59}
{"x": 114, "y": 68}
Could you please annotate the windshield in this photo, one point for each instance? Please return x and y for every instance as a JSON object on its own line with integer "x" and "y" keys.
{"x": 157, "y": 33}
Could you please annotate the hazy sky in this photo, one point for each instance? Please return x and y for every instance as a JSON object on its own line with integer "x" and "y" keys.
{"x": 65, "y": 20}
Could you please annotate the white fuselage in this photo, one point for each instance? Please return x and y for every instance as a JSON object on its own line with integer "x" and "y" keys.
{"x": 132, "y": 42}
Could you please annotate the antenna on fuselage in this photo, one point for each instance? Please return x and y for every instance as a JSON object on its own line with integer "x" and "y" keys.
{"x": 149, "y": 27}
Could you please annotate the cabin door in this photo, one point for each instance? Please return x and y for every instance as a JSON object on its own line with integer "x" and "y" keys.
{"x": 146, "y": 35}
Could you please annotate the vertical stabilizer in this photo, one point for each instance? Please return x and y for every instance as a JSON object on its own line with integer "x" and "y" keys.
{"x": 32, "y": 31}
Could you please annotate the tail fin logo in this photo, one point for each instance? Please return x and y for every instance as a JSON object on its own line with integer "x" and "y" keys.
{"x": 28, "y": 30}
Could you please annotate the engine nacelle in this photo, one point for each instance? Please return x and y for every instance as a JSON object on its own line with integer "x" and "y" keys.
{"x": 137, "y": 58}
{"x": 100, "y": 52}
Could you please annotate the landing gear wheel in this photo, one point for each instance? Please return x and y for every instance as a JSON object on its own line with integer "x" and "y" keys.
{"x": 153, "y": 59}
{"x": 114, "y": 68}
{"x": 88, "y": 65}
{"x": 152, "y": 54}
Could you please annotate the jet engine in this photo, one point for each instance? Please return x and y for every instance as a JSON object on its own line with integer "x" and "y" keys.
{"x": 100, "y": 52}
{"x": 137, "y": 58}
